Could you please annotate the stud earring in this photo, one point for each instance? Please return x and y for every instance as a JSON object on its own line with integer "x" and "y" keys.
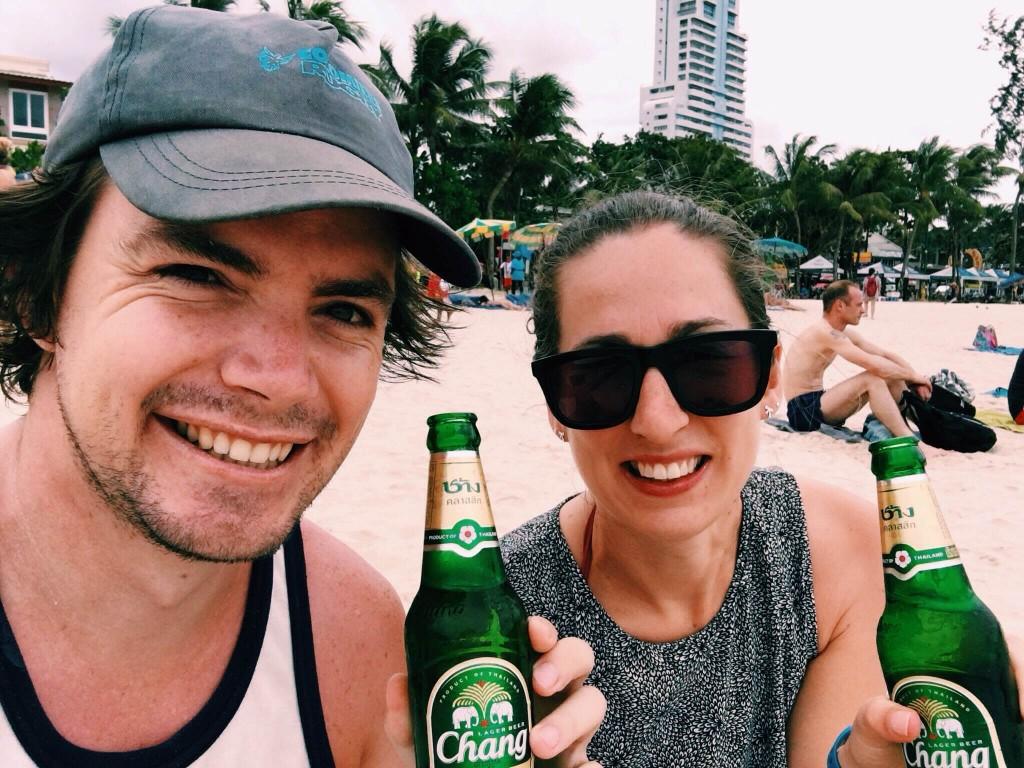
{"x": 560, "y": 434}
{"x": 767, "y": 412}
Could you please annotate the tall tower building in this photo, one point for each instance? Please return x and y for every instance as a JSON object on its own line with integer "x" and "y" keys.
{"x": 700, "y": 61}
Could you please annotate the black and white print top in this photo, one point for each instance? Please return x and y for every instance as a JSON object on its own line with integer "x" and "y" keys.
{"x": 718, "y": 698}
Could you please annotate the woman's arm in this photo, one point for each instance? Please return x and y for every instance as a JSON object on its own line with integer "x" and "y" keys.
{"x": 849, "y": 597}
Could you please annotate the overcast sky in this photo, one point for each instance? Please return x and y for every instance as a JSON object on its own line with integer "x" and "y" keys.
{"x": 872, "y": 73}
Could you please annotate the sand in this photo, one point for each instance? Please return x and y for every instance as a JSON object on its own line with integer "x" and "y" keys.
{"x": 376, "y": 501}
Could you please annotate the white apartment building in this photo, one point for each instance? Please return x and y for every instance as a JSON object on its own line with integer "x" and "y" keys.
{"x": 700, "y": 60}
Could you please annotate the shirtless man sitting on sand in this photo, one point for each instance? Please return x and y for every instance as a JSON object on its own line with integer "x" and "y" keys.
{"x": 885, "y": 376}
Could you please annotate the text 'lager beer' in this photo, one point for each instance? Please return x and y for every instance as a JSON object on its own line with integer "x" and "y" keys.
{"x": 466, "y": 642}
{"x": 941, "y": 648}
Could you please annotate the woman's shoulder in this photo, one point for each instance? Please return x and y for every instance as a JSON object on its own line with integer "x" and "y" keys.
{"x": 539, "y": 565}
{"x": 537, "y": 537}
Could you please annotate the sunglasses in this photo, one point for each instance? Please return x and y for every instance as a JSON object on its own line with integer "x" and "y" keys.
{"x": 709, "y": 374}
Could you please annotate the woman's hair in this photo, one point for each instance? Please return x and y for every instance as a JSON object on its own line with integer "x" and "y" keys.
{"x": 637, "y": 210}
{"x": 42, "y": 223}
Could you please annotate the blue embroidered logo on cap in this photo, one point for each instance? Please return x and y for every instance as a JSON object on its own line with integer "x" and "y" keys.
{"x": 316, "y": 62}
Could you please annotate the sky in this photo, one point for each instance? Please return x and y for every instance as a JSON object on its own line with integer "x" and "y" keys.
{"x": 871, "y": 73}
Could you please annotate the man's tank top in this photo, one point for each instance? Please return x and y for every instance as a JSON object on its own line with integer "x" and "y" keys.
{"x": 264, "y": 712}
{"x": 718, "y": 697}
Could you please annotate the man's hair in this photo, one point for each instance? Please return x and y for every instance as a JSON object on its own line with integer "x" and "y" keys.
{"x": 42, "y": 223}
{"x": 634, "y": 211}
{"x": 835, "y": 291}
{"x": 871, "y": 271}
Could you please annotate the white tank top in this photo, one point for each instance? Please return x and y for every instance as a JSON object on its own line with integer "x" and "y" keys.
{"x": 265, "y": 712}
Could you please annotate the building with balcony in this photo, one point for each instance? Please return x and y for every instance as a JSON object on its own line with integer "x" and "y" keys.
{"x": 700, "y": 59}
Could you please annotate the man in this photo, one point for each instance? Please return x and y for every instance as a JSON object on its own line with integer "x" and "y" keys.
{"x": 198, "y": 297}
{"x": 881, "y": 384}
{"x": 872, "y": 287}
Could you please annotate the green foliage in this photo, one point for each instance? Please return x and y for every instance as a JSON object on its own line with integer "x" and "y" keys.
{"x": 28, "y": 157}
{"x": 332, "y": 12}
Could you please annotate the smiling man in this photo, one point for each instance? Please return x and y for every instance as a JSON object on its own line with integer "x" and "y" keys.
{"x": 199, "y": 293}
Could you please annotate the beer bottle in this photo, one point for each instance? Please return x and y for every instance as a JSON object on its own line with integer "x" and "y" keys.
{"x": 466, "y": 642}
{"x": 942, "y": 651}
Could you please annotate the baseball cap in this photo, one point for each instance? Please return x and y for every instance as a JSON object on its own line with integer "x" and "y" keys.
{"x": 201, "y": 116}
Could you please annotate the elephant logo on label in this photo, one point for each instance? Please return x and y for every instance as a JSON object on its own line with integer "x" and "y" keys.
{"x": 501, "y": 712}
{"x": 465, "y": 717}
{"x": 949, "y": 727}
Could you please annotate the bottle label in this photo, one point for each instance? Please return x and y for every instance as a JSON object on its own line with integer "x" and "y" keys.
{"x": 914, "y": 535}
{"x": 956, "y": 727}
{"x": 459, "y": 518}
{"x": 479, "y": 714}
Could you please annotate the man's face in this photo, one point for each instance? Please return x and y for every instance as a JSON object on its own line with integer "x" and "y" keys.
{"x": 853, "y": 306}
{"x": 210, "y": 381}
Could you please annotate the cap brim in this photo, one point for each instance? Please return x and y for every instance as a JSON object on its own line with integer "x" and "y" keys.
{"x": 228, "y": 173}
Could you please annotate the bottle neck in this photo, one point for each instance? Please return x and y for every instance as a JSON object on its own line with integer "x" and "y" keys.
{"x": 460, "y": 545}
{"x": 919, "y": 557}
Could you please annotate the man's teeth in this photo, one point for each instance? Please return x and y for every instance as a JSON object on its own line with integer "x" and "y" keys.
{"x": 223, "y": 446}
{"x": 671, "y": 471}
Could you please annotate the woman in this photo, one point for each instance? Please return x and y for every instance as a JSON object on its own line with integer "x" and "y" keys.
{"x": 1015, "y": 397}
{"x": 732, "y": 610}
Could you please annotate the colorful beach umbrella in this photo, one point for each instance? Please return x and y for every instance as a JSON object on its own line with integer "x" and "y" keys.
{"x": 535, "y": 235}
{"x": 478, "y": 229}
{"x": 777, "y": 246}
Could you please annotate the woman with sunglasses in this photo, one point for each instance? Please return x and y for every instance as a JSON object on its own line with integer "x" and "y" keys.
{"x": 732, "y": 610}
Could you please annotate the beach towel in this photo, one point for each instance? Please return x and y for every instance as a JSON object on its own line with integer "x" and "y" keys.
{"x": 985, "y": 340}
{"x": 839, "y": 433}
{"x": 998, "y": 419}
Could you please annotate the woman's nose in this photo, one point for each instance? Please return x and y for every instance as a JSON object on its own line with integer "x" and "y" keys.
{"x": 658, "y": 416}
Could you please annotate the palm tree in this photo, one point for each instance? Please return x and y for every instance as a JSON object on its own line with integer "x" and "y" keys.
{"x": 114, "y": 22}
{"x": 532, "y": 129}
{"x": 865, "y": 181}
{"x": 798, "y": 173}
{"x": 929, "y": 172}
{"x": 446, "y": 89}
{"x": 974, "y": 172}
{"x": 332, "y": 12}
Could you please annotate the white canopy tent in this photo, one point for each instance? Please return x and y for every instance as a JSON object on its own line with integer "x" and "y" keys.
{"x": 817, "y": 264}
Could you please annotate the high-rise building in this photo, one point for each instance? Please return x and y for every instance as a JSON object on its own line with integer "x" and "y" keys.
{"x": 700, "y": 60}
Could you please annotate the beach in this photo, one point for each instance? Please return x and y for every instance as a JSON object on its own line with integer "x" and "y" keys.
{"x": 376, "y": 501}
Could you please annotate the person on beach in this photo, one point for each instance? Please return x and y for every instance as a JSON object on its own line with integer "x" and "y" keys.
{"x": 872, "y": 287}
{"x": 881, "y": 384}
{"x": 717, "y": 596}
{"x": 200, "y": 291}
{"x": 1015, "y": 391}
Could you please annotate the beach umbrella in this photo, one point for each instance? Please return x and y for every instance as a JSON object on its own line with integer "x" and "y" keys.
{"x": 478, "y": 229}
{"x": 778, "y": 246}
{"x": 535, "y": 235}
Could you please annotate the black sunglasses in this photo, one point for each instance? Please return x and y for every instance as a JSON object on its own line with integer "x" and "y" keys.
{"x": 709, "y": 374}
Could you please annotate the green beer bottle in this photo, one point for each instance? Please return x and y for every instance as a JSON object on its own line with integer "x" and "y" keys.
{"x": 466, "y": 642}
{"x": 942, "y": 651}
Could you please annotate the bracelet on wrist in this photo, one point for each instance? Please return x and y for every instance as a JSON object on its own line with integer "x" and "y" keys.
{"x": 833, "y": 754}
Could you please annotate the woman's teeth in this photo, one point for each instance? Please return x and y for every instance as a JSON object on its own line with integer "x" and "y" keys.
{"x": 223, "y": 446}
{"x": 672, "y": 471}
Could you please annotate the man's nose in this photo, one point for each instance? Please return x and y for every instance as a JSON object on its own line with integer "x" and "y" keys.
{"x": 272, "y": 358}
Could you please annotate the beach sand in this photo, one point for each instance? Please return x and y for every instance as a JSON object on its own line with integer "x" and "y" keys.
{"x": 376, "y": 501}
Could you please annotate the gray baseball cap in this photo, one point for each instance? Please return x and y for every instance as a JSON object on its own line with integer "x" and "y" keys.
{"x": 201, "y": 116}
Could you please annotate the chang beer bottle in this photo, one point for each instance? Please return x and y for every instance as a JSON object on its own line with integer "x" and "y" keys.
{"x": 941, "y": 648}
{"x": 466, "y": 643}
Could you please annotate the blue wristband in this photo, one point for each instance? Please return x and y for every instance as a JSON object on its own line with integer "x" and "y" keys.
{"x": 833, "y": 754}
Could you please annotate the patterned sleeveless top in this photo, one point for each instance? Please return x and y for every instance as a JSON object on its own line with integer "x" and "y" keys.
{"x": 719, "y": 697}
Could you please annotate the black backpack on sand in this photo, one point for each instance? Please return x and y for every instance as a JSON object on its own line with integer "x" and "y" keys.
{"x": 947, "y": 429}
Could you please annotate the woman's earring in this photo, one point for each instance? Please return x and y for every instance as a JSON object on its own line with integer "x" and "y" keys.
{"x": 767, "y": 412}
{"x": 560, "y": 434}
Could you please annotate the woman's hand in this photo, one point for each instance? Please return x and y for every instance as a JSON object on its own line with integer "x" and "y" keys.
{"x": 571, "y": 712}
{"x": 879, "y": 729}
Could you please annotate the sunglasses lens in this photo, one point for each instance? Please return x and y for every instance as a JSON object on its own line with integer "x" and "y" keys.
{"x": 716, "y": 377}
{"x": 592, "y": 392}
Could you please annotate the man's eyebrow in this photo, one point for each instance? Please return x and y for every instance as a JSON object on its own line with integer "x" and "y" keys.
{"x": 376, "y": 288}
{"x": 194, "y": 240}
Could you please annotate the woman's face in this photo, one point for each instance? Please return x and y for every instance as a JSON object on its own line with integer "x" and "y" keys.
{"x": 645, "y": 287}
